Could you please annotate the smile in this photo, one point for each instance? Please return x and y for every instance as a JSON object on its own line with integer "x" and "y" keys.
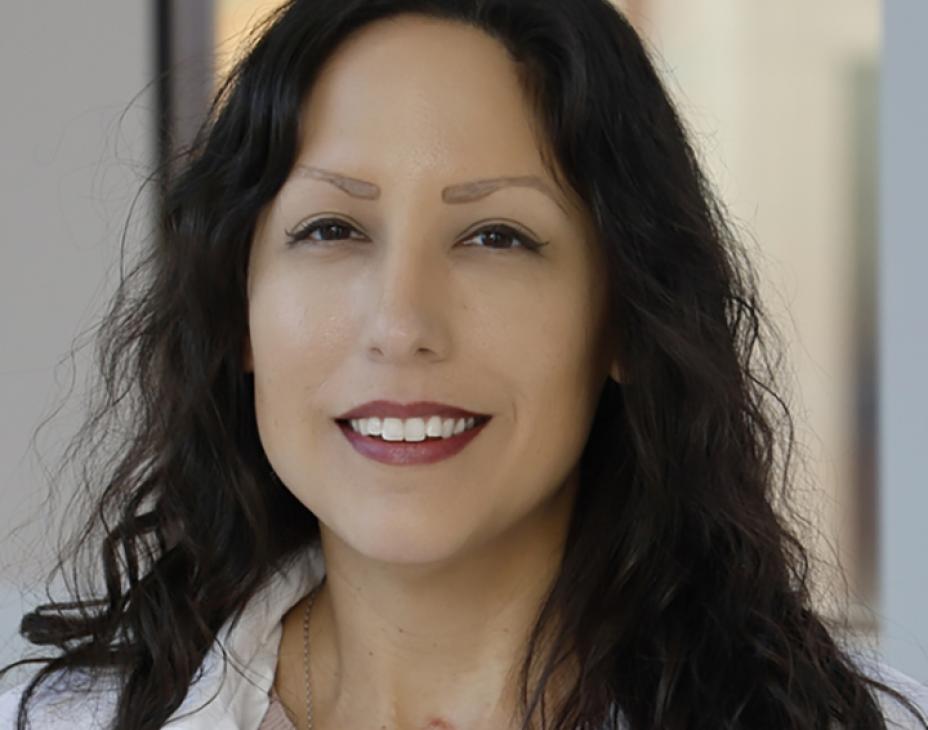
{"x": 388, "y": 445}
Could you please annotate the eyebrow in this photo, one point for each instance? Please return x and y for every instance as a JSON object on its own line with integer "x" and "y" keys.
{"x": 460, "y": 193}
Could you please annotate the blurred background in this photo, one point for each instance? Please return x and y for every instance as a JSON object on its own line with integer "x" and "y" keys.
{"x": 809, "y": 118}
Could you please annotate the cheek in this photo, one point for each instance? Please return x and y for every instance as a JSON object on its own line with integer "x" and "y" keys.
{"x": 550, "y": 339}
{"x": 293, "y": 317}
{"x": 297, "y": 333}
{"x": 557, "y": 387}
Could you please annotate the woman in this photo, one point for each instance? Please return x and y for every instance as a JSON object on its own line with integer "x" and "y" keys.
{"x": 448, "y": 414}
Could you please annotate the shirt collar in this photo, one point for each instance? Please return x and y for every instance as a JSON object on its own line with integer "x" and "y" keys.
{"x": 237, "y": 695}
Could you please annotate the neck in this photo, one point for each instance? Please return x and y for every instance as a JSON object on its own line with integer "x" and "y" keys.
{"x": 437, "y": 644}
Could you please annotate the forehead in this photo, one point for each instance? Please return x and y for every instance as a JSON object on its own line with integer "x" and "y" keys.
{"x": 413, "y": 95}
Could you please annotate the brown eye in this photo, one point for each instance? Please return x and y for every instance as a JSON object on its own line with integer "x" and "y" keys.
{"x": 500, "y": 238}
{"x": 330, "y": 229}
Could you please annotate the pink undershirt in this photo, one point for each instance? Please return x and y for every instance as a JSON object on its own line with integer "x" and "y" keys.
{"x": 276, "y": 717}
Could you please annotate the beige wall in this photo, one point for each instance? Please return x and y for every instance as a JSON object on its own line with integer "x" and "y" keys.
{"x": 768, "y": 89}
{"x": 233, "y": 19}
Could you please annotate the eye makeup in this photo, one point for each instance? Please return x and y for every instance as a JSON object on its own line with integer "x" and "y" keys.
{"x": 329, "y": 224}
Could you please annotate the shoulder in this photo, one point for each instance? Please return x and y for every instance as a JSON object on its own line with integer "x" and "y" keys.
{"x": 896, "y": 714}
{"x": 64, "y": 701}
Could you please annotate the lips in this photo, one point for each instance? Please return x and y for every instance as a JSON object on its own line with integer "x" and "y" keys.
{"x": 419, "y": 409}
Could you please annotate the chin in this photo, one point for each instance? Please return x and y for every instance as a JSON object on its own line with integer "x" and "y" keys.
{"x": 409, "y": 541}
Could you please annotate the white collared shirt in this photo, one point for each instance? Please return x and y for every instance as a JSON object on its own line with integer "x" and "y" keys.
{"x": 242, "y": 693}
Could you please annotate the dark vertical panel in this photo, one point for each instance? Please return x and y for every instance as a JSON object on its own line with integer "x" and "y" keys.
{"x": 185, "y": 64}
{"x": 162, "y": 24}
{"x": 192, "y": 48}
{"x": 863, "y": 85}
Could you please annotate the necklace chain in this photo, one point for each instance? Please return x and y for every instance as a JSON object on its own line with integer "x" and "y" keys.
{"x": 309, "y": 691}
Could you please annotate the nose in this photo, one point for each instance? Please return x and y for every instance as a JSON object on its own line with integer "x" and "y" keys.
{"x": 406, "y": 320}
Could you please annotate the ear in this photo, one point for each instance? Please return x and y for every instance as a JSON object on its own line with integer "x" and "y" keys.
{"x": 615, "y": 373}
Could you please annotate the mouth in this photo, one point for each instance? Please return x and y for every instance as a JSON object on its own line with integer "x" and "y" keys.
{"x": 386, "y": 441}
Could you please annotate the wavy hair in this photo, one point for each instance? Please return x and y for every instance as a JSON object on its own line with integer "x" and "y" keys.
{"x": 683, "y": 594}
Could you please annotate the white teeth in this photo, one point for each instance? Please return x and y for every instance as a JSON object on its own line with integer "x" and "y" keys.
{"x": 411, "y": 429}
{"x": 433, "y": 428}
{"x": 392, "y": 429}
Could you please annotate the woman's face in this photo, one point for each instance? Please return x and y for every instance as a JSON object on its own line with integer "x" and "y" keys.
{"x": 404, "y": 298}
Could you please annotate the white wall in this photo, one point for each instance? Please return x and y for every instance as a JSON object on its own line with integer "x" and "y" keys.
{"x": 70, "y": 168}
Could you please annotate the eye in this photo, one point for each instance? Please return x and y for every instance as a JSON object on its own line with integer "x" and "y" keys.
{"x": 500, "y": 233}
{"x": 332, "y": 229}
{"x": 335, "y": 229}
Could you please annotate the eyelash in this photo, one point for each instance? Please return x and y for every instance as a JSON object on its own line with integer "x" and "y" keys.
{"x": 527, "y": 242}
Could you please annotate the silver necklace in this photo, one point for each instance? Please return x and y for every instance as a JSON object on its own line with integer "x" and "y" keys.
{"x": 309, "y": 691}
